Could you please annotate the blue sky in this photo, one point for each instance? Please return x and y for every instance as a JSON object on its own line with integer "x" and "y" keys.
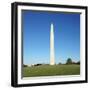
{"x": 36, "y": 36}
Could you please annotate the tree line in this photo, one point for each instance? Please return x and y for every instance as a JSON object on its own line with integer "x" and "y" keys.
{"x": 68, "y": 61}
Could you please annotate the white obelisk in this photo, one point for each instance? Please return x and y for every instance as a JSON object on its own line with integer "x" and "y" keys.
{"x": 52, "y": 57}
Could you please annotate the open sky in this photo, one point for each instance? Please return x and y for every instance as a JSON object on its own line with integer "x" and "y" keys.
{"x": 36, "y": 36}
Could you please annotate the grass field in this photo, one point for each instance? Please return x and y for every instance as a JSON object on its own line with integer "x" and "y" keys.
{"x": 47, "y": 70}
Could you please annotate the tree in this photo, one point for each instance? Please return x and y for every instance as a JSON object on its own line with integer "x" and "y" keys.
{"x": 59, "y": 63}
{"x": 24, "y": 65}
{"x": 69, "y": 61}
{"x": 78, "y": 62}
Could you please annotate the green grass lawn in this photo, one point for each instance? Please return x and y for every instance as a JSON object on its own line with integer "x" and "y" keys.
{"x": 47, "y": 70}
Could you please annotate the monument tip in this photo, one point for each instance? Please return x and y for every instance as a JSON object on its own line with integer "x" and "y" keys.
{"x": 52, "y": 26}
{"x": 51, "y": 23}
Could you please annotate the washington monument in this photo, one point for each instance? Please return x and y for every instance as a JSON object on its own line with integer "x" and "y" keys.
{"x": 52, "y": 54}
